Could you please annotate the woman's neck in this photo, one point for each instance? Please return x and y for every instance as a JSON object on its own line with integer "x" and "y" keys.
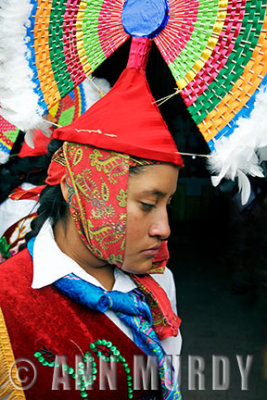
{"x": 70, "y": 243}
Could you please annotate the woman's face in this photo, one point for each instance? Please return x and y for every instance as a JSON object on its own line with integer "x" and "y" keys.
{"x": 149, "y": 193}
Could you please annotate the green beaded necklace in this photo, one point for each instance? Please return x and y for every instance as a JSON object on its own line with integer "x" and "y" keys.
{"x": 103, "y": 349}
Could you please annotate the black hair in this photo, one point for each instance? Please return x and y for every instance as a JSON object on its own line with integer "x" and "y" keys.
{"x": 52, "y": 204}
{"x": 137, "y": 170}
{"x": 19, "y": 170}
{"x": 139, "y": 165}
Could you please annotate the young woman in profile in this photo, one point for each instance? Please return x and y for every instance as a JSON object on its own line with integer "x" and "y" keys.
{"x": 92, "y": 286}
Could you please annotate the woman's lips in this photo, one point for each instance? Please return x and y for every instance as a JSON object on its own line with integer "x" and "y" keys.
{"x": 151, "y": 252}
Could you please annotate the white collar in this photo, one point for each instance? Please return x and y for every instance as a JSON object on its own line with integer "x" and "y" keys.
{"x": 51, "y": 264}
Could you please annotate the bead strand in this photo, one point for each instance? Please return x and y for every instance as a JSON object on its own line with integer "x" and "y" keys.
{"x": 95, "y": 347}
{"x": 111, "y": 354}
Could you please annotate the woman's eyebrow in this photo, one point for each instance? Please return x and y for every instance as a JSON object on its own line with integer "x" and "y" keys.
{"x": 154, "y": 192}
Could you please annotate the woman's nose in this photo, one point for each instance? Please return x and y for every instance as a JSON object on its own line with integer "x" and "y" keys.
{"x": 160, "y": 226}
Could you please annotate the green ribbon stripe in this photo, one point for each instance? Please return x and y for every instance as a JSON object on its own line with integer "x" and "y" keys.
{"x": 12, "y": 135}
{"x": 206, "y": 18}
{"x": 91, "y": 41}
{"x": 56, "y": 45}
{"x": 67, "y": 116}
{"x": 231, "y": 72}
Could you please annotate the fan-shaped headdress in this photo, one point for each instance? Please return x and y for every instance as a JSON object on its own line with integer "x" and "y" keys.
{"x": 216, "y": 51}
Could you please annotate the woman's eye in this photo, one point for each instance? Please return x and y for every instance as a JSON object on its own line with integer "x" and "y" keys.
{"x": 147, "y": 206}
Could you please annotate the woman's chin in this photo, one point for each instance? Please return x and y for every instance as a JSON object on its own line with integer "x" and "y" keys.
{"x": 138, "y": 267}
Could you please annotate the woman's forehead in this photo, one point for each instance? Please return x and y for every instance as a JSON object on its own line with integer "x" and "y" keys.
{"x": 158, "y": 180}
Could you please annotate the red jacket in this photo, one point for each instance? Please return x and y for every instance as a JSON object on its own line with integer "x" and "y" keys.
{"x": 46, "y": 322}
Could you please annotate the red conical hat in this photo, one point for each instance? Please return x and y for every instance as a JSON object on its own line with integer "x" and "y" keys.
{"x": 125, "y": 120}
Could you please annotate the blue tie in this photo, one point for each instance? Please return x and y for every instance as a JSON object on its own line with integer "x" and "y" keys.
{"x": 133, "y": 310}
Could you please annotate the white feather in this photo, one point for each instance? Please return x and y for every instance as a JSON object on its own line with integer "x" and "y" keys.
{"x": 241, "y": 153}
{"x": 244, "y": 187}
{"x": 17, "y": 96}
{"x": 91, "y": 87}
{"x": 18, "y": 100}
{"x": 91, "y": 94}
{"x": 263, "y": 154}
{"x": 3, "y": 157}
{"x": 44, "y": 125}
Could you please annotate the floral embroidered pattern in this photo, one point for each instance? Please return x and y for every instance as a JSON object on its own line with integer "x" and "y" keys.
{"x": 94, "y": 178}
{"x": 122, "y": 198}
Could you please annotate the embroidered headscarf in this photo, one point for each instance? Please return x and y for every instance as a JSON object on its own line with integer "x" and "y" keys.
{"x": 97, "y": 182}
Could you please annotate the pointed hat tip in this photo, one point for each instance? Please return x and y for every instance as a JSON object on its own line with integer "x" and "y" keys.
{"x": 125, "y": 120}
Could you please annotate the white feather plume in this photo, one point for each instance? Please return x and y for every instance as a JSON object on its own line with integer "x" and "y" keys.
{"x": 241, "y": 153}
{"x": 3, "y": 157}
{"x": 42, "y": 124}
{"x": 92, "y": 87}
{"x": 18, "y": 100}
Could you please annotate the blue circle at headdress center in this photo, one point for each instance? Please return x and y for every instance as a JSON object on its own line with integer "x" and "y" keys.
{"x": 145, "y": 18}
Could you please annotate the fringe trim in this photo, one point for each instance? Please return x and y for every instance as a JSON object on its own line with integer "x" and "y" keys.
{"x": 7, "y": 359}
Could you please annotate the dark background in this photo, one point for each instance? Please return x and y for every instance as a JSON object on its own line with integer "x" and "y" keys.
{"x": 218, "y": 252}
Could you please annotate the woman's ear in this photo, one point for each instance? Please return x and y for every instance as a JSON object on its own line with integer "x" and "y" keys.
{"x": 64, "y": 188}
